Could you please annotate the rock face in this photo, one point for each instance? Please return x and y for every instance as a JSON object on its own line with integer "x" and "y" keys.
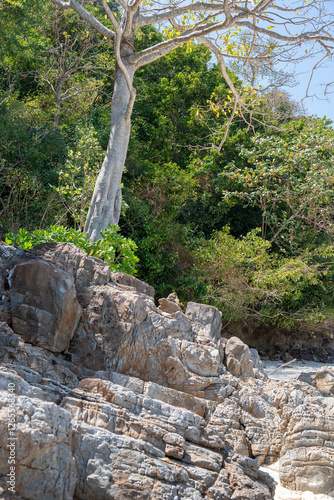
{"x": 241, "y": 360}
{"x": 117, "y": 399}
{"x": 307, "y": 456}
{"x": 42, "y": 447}
{"x": 44, "y": 305}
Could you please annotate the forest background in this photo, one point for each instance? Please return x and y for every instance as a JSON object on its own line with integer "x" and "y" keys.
{"x": 245, "y": 225}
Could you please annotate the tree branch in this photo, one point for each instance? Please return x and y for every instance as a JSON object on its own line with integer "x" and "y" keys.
{"x": 229, "y": 82}
{"x": 144, "y": 19}
{"x": 87, "y": 16}
{"x": 308, "y": 36}
{"x": 160, "y": 49}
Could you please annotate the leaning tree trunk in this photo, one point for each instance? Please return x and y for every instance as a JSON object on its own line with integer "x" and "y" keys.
{"x": 105, "y": 206}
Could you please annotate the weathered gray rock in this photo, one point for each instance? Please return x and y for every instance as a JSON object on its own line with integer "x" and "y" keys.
{"x": 324, "y": 380}
{"x": 39, "y": 367}
{"x": 123, "y": 331}
{"x": 44, "y": 465}
{"x": 242, "y": 476}
{"x": 242, "y": 361}
{"x": 208, "y": 320}
{"x": 44, "y": 305}
{"x": 86, "y": 271}
{"x": 134, "y": 283}
{"x": 307, "y": 377}
{"x": 147, "y": 408}
{"x": 168, "y": 306}
{"x": 152, "y": 449}
{"x": 307, "y": 456}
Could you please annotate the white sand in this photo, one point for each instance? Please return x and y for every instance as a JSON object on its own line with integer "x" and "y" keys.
{"x": 291, "y": 371}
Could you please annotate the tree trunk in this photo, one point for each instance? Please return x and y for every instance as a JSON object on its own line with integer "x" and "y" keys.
{"x": 105, "y": 206}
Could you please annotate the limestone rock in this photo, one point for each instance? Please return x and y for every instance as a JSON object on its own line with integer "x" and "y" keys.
{"x": 172, "y": 297}
{"x": 242, "y": 476}
{"x": 141, "y": 405}
{"x": 168, "y": 306}
{"x": 307, "y": 456}
{"x": 152, "y": 449}
{"x": 307, "y": 377}
{"x": 242, "y": 361}
{"x": 204, "y": 361}
{"x": 45, "y": 309}
{"x": 208, "y": 319}
{"x": 324, "y": 380}
{"x": 123, "y": 331}
{"x": 262, "y": 424}
{"x": 134, "y": 283}
{"x": 39, "y": 367}
{"x": 86, "y": 271}
{"x": 45, "y": 467}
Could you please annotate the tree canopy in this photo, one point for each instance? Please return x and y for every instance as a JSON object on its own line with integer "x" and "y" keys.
{"x": 277, "y": 31}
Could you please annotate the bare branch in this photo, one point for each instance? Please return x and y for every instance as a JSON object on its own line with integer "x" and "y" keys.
{"x": 308, "y": 36}
{"x": 229, "y": 82}
{"x": 124, "y": 5}
{"x": 163, "y": 48}
{"x": 112, "y": 18}
{"x": 145, "y": 19}
{"x": 87, "y": 16}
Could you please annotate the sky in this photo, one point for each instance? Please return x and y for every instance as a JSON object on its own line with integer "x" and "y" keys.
{"x": 319, "y": 104}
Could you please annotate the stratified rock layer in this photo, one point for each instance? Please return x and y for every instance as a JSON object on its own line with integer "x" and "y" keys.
{"x": 119, "y": 399}
{"x": 307, "y": 456}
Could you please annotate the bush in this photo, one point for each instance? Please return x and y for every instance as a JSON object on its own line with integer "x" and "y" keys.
{"x": 245, "y": 278}
{"x": 112, "y": 247}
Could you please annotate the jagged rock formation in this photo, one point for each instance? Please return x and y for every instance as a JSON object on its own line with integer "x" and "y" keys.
{"x": 119, "y": 399}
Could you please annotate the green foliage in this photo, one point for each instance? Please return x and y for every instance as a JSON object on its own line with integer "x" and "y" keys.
{"x": 77, "y": 178}
{"x": 245, "y": 278}
{"x": 169, "y": 91}
{"x": 112, "y": 247}
{"x": 289, "y": 177}
{"x": 155, "y": 201}
{"x": 29, "y": 160}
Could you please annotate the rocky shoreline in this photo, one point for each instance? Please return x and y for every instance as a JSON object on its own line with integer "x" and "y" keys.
{"x": 115, "y": 398}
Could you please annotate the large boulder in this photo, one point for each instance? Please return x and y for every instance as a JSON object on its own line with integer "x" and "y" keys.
{"x": 324, "y": 380}
{"x": 242, "y": 361}
{"x": 208, "y": 320}
{"x": 44, "y": 304}
{"x": 134, "y": 283}
{"x": 85, "y": 271}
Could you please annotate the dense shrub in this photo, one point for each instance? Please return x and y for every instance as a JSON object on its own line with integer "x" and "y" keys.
{"x": 112, "y": 247}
